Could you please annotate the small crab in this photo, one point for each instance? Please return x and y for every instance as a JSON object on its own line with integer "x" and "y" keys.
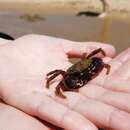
{"x": 78, "y": 74}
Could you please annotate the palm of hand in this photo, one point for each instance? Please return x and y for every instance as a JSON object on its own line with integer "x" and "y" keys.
{"x": 28, "y": 66}
{"x": 22, "y": 84}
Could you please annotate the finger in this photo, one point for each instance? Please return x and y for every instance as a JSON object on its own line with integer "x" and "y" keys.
{"x": 101, "y": 114}
{"x": 119, "y": 60}
{"x": 119, "y": 80}
{"x": 117, "y": 84}
{"x": 49, "y": 110}
{"x": 117, "y": 99}
{"x": 76, "y": 49}
{"x": 107, "y": 59}
{"x": 115, "y": 64}
{"x": 19, "y": 120}
{"x": 123, "y": 56}
{"x": 123, "y": 72}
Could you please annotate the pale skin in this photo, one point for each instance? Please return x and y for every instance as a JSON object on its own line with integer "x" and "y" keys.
{"x": 19, "y": 120}
{"x": 14, "y": 119}
{"x": 23, "y": 68}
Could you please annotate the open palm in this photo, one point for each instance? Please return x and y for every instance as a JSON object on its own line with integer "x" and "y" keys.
{"x": 24, "y": 65}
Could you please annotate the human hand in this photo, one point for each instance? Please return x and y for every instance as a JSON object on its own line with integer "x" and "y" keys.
{"x": 24, "y": 65}
{"x": 19, "y": 120}
{"x": 14, "y": 119}
{"x": 113, "y": 93}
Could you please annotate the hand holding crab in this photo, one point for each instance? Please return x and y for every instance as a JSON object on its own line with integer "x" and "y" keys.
{"x": 21, "y": 84}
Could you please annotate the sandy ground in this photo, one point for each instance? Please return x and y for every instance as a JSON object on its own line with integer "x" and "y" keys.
{"x": 63, "y": 6}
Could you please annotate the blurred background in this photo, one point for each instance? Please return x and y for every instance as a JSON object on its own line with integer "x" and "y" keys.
{"x": 67, "y": 19}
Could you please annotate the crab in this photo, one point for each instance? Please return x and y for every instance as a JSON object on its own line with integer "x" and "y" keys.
{"x": 79, "y": 74}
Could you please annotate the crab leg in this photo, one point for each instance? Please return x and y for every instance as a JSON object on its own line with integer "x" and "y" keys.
{"x": 96, "y": 52}
{"x": 107, "y": 66}
{"x": 54, "y": 71}
{"x": 55, "y": 74}
{"x": 58, "y": 90}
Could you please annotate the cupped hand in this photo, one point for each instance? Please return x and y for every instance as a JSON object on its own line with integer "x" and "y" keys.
{"x": 112, "y": 94}
{"x": 24, "y": 65}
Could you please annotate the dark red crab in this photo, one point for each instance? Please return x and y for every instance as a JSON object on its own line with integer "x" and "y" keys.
{"x": 78, "y": 74}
